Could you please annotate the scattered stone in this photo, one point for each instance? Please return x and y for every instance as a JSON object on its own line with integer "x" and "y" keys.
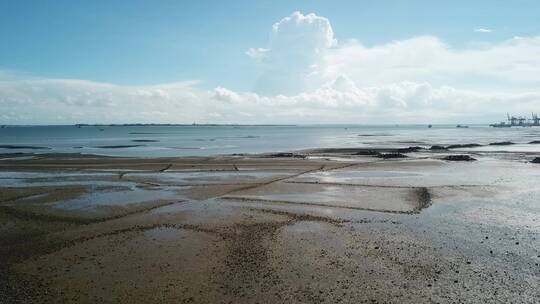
{"x": 459, "y": 158}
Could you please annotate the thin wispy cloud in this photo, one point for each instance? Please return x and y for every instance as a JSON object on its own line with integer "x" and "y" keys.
{"x": 482, "y": 30}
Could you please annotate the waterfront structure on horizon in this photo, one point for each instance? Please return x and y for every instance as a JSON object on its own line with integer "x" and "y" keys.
{"x": 518, "y": 121}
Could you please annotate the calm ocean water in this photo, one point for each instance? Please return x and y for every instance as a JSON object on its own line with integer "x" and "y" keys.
{"x": 152, "y": 141}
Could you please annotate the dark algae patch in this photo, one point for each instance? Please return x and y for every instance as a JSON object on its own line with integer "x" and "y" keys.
{"x": 287, "y": 154}
{"x": 459, "y": 158}
{"x": 424, "y": 198}
{"x": 501, "y": 143}
{"x": 438, "y": 147}
{"x": 410, "y": 149}
{"x": 367, "y": 152}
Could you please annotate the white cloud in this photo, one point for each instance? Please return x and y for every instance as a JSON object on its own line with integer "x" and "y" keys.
{"x": 482, "y": 30}
{"x": 55, "y": 101}
{"x": 39, "y": 100}
{"x": 307, "y": 77}
{"x": 303, "y": 54}
{"x": 257, "y": 53}
{"x": 511, "y": 65}
{"x": 292, "y": 60}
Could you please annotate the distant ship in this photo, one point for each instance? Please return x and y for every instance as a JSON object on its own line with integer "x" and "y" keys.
{"x": 521, "y": 121}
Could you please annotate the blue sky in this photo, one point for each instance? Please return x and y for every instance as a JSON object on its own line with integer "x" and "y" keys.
{"x": 150, "y": 42}
{"x": 271, "y": 61}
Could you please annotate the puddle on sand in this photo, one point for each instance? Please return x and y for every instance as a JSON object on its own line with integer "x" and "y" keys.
{"x": 62, "y": 174}
{"x": 479, "y": 173}
{"x": 11, "y": 182}
{"x": 42, "y": 179}
{"x": 205, "y": 177}
{"x": 372, "y": 198}
{"x": 96, "y": 199}
{"x": 352, "y": 176}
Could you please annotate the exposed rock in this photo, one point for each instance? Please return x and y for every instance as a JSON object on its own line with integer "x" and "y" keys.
{"x": 391, "y": 155}
{"x": 463, "y": 146}
{"x": 534, "y": 142}
{"x": 501, "y": 143}
{"x": 459, "y": 158}
{"x": 286, "y": 154}
{"x": 536, "y": 160}
{"x": 367, "y": 152}
{"x": 437, "y": 147}
{"x": 409, "y": 149}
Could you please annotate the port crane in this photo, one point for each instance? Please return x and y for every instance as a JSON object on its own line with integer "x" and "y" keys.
{"x": 518, "y": 121}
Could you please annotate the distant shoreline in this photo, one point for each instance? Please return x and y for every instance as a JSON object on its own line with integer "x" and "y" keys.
{"x": 236, "y": 125}
{"x": 178, "y": 125}
{"x": 152, "y": 125}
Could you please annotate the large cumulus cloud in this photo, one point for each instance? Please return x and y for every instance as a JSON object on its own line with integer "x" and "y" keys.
{"x": 291, "y": 62}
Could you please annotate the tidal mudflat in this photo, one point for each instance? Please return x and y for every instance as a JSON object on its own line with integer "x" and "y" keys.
{"x": 319, "y": 226}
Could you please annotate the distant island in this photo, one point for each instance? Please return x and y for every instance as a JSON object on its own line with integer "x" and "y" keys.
{"x": 180, "y": 125}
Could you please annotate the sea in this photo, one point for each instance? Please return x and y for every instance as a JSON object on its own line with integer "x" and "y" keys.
{"x": 211, "y": 140}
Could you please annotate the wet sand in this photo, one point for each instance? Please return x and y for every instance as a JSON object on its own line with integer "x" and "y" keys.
{"x": 319, "y": 226}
